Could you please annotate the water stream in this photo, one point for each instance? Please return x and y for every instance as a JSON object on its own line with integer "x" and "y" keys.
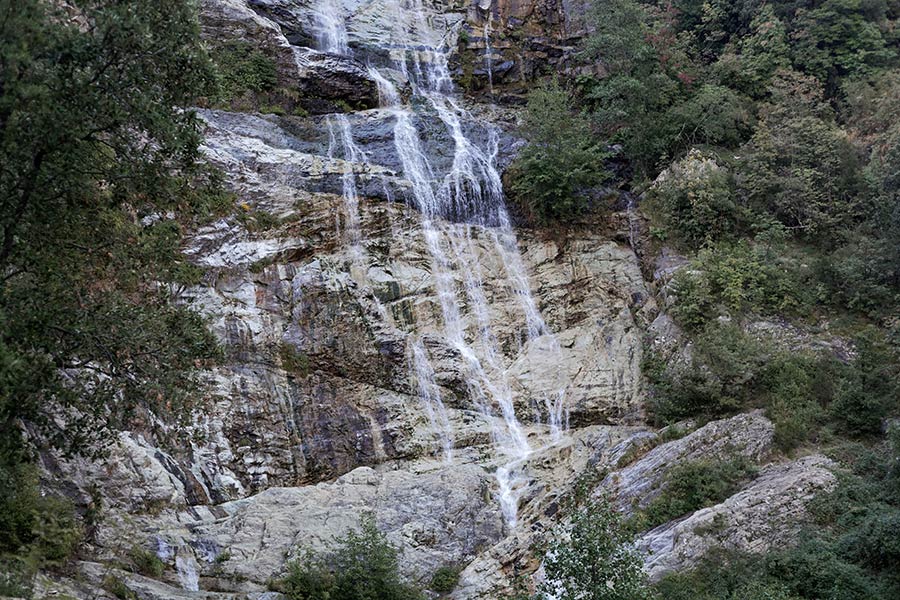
{"x": 461, "y": 206}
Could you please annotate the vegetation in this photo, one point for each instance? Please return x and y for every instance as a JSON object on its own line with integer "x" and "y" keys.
{"x": 851, "y": 553}
{"x": 597, "y": 561}
{"x": 146, "y": 562}
{"x": 101, "y": 173}
{"x": 445, "y": 579}
{"x": 802, "y": 392}
{"x": 690, "y": 486}
{"x": 553, "y": 175}
{"x": 363, "y": 566}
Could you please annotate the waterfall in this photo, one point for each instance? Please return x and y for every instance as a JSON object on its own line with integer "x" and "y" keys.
{"x": 332, "y": 29}
{"x": 430, "y": 395}
{"x": 188, "y": 577}
{"x": 460, "y": 206}
{"x": 488, "y": 59}
{"x": 339, "y": 126}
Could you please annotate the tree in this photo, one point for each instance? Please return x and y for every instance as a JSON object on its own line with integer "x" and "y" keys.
{"x": 748, "y": 64}
{"x": 555, "y": 171}
{"x": 696, "y": 198}
{"x": 363, "y": 566}
{"x": 100, "y": 173}
{"x": 95, "y": 137}
{"x": 838, "y": 39}
{"x": 597, "y": 562}
{"x": 629, "y": 101}
{"x": 799, "y": 166}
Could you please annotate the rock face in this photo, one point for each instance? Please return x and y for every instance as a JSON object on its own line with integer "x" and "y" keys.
{"x": 349, "y": 383}
{"x": 766, "y": 514}
{"x": 321, "y": 297}
{"x": 748, "y": 435}
{"x": 325, "y": 82}
{"x": 509, "y": 43}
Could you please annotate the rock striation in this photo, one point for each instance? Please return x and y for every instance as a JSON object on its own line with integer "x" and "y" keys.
{"x": 343, "y": 388}
{"x": 768, "y": 513}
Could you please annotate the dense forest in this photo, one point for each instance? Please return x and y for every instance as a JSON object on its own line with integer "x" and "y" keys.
{"x": 762, "y": 139}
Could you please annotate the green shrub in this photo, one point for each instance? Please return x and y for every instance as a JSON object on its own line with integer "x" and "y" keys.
{"x": 243, "y": 68}
{"x": 713, "y": 116}
{"x": 720, "y": 379}
{"x": 553, "y": 175}
{"x": 696, "y": 199}
{"x": 146, "y": 562}
{"x": 799, "y": 166}
{"x": 362, "y": 567}
{"x": 690, "y": 486}
{"x": 869, "y": 390}
{"x": 814, "y": 570}
{"x": 118, "y": 588}
{"x": 736, "y": 277}
{"x": 294, "y": 361}
{"x": 597, "y": 561}
{"x": 43, "y": 528}
{"x": 445, "y": 579}
{"x": 797, "y": 387}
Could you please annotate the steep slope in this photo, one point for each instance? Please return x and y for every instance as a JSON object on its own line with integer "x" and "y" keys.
{"x": 391, "y": 344}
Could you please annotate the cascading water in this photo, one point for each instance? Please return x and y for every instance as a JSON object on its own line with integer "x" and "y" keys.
{"x": 459, "y": 206}
{"x": 339, "y": 127}
{"x": 430, "y": 395}
{"x": 332, "y": 29}
{"x": 488, "y": 51}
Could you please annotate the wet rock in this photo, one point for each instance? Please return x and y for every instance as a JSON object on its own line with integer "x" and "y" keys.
{"x": 331, "y": 83}
{"x": 233, "y": 21}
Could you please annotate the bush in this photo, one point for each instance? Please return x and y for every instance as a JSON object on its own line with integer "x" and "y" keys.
{"x": 118, "y": 588}
{"x": 799, "y": 166}
{"x": 146, "y": 562}
{"x": 868, "y": 391}
{"x": 720, "y": 379}
{"x": 445, "y": 579}
{"x": 798, "y": 387}
{"x": 712, "y": 116}
{"x": 597, "y": 562}
{"x": 43, "y": 528}
{"x": 738, "y": 277}
{"x": 243, "y": 68}
{"x": 688, "y": 487}
{"x": 696, "y": 199}
{"x": 363, "y": 567}
{"x": 553, "y": 175}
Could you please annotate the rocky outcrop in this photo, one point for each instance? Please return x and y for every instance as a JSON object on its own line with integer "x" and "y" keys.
{"x": 323, "y": 82}
{"x": 635, "y": 486}
{"x": 766, "y": 514}
{"x": 509, "y": 43}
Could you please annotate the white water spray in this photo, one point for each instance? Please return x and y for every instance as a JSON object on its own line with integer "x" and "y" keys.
{"x": 332, "y": 28}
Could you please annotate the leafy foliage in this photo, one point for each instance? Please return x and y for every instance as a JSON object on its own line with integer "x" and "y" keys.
{"x": 597, "y": 562}
{"x": 362, "y": 567}
{"x": 851, "y": 553}
{"x": 101, "y": 173}
{"x": 696, "y": 199}
{"x": 445, "y": 579}
{"x": 554, "y": 173}
{"x": 690, "y": 486}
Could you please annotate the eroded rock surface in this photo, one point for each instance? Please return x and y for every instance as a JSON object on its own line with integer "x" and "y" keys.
{"x": 766, "y": 514}
{"x": 321, "y": 299}
{"x": 635, "y": 486}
